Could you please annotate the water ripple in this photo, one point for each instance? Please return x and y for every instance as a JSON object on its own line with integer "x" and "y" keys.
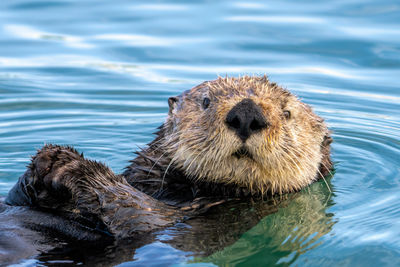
{"x": 98, "y": 77}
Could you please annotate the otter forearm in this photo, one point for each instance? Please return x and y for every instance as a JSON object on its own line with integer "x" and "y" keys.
{"x": 127, "y": 211}
{"x": 62, "y": 180}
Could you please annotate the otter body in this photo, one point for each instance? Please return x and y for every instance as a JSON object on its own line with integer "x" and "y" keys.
{"x": 227, "y": 138}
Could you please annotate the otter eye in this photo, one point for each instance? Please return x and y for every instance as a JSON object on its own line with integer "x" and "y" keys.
{"x": 287, "y": 114}
{"x": 206, "y": 102}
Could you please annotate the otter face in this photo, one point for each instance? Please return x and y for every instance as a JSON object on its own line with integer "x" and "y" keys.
{"x": 245, "y": 131}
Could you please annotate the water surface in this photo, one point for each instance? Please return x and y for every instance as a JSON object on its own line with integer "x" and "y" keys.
{"x": 97, "y": 75}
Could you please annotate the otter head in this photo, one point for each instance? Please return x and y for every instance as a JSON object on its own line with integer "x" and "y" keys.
{"x": 245, "y": 132}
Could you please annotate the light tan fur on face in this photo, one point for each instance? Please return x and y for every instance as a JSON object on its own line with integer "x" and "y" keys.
{"x": 285, "y": 156}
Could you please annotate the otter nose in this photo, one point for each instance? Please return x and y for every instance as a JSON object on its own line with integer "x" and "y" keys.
{"x": 246, "y": 118}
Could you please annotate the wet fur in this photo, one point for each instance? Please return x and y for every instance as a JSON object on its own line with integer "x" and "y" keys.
{"x": 61, "y": 179}
{"x": 192, "y": 153}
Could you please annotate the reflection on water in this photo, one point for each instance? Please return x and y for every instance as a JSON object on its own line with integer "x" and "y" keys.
{"x": 281, "y": 237}
{"x": 98, "y": 76}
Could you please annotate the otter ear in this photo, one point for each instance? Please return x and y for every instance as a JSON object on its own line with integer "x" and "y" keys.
{"x": 327, "y": 140}
{"x": 172, "y": 103}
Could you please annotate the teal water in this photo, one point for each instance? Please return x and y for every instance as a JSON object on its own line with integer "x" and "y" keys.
{"x": 97, "y": 75}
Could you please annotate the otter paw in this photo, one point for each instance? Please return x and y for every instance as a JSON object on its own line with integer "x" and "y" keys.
{"x": 46, "y": 182}
{"x": 43, "y": 183}
{"x": 49, "y": 161}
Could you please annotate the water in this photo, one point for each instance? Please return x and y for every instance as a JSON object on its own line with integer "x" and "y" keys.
{"x": 97, "y": 75}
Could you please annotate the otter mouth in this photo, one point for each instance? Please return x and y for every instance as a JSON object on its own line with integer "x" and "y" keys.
{"x": 243, "y": 152}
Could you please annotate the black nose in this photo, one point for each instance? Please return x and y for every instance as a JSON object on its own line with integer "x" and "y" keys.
{"x": 246, "y": 118}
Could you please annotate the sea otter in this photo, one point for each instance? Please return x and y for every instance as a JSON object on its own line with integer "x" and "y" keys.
{"x": 227, "y": 138}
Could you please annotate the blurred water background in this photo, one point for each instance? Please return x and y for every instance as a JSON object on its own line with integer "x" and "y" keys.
{"x": 97, "y": 75}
